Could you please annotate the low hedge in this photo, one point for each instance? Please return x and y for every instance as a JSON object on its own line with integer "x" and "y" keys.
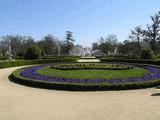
{"x": 60, "y": 57}
{"x": 3, "y": 58}
{"x": 141, "y": 61}
{"x": 15, "y": 77}
{"x": 81, "y": 66}
{"x": 15, "y": 63}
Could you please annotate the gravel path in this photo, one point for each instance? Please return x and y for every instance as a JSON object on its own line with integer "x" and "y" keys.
{"x": 88, "y": 60}
{"x": 24, "y": 103}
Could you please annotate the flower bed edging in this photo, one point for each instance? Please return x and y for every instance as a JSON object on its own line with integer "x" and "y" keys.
{"x": 15, "y": 77}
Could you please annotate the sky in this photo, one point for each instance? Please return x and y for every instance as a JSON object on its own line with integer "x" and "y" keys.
{"x": 87, "y": 19}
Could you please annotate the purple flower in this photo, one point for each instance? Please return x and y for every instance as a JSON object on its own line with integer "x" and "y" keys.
{"x": 31, "y": 73}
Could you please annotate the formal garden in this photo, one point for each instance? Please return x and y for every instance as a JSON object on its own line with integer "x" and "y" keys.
{"x": 69, "y": 75}
{"x": 108, "y": 65}
{"x": 80, "y": 59}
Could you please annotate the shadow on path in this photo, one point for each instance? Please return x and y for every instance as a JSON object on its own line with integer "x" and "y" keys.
{"x": 156, "y": 94}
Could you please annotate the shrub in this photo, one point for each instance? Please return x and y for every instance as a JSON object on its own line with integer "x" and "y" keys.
{"x": 60, "y": 57}
{"x": 20, "y": 54}
{"x": 7, "y": 64}
{"x": 141, "y": 61}
{"x": 80, "y": 66}
{"x": 147, "y": 54}
{"x": 32, "y": 52}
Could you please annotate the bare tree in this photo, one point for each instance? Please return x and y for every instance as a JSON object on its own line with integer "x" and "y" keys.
{"x": 137, "y": 35}
{"x": 112, "y": 39}
{"x": 128, "y": 48}
{"x": 15, "y": 43}
{"x": 152, "y": 34}
{"x": 108, "y": 45}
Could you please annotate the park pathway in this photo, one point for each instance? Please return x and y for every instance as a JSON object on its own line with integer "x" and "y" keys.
{"x": 18, "y": 102}
{"x": 89, "y": 60}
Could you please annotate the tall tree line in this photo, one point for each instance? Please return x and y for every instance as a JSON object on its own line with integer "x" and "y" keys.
{"x": 138, "y": 40}
{"x": 48, "y": 45}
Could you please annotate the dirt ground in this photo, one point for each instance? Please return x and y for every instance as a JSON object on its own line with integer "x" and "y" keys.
{"x": 18, "y": 102}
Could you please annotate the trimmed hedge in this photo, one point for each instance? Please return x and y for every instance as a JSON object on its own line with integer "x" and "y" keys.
{"x": 141, "y": 61}
{"x": 3, "y": 58}
{"x": 7, "y": 64}
{"x": 15, "y": 77}
{"x": 81, "y": 66}
{"x": 60, "y": 57}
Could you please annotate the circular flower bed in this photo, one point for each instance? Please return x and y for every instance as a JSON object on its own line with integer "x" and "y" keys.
{"x": 30, "y": 76}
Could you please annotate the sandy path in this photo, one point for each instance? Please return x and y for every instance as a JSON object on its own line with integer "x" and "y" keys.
{"x": 89, "y": 60}
{"x": 23, "y": 103}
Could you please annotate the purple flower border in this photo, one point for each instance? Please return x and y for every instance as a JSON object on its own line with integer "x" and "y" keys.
{"x": 31, "y": 73}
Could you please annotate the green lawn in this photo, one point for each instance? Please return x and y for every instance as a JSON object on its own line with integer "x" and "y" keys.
{"x": 93, "y": 74}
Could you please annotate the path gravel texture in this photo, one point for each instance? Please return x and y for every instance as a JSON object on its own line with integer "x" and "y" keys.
{"x": 89, "y": 60}
{"x": 18, "y": 102}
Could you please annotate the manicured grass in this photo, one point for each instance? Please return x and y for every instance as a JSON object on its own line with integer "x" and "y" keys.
{"x": 93, "y": 74}
{"x": 17, "y": 78}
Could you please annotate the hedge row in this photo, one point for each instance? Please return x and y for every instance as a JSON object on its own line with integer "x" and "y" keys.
{"x": 81, "y": 66}
{"x": 141, "y": 61}
{"x": 15, "y": 77}
{"x": 3, "y": 58}
{"x": 60, "y": 57}
{"x": 15, "y": 63}
{"x": 44, "y": 57}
